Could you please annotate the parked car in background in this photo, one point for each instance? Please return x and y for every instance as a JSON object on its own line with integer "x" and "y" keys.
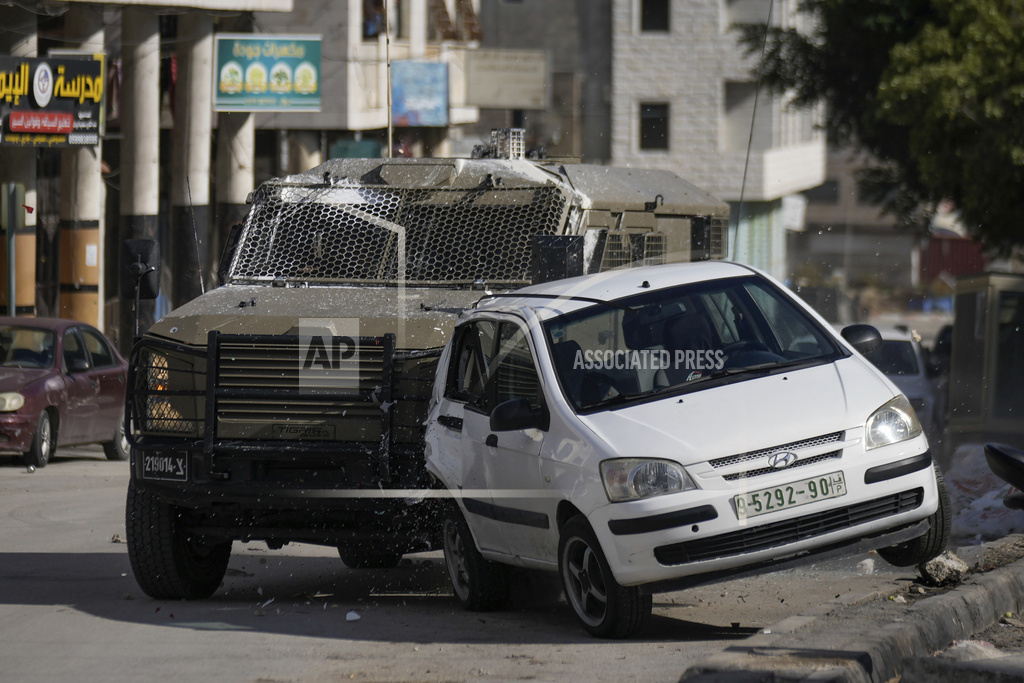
{"x": 904, "y": 361}
{"x": 61, "y": 384}
{"x": 645, "y": 430}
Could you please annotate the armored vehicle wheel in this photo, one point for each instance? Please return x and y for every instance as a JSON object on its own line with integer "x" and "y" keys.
{"x": 480, "y": 585}
{"x": 931, "y": 545}
{"x": 365, "y": 559}
{"x": 168, "y": 562}
{"x": 603, "y": 607}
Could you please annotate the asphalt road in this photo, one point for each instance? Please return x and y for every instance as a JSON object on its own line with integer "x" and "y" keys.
{"x": 70, "y": 609}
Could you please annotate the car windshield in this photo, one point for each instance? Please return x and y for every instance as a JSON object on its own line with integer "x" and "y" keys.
{"x": 682, "y": 339}
{"x": 26, "y": 347}
{"x": 895, "y": 357}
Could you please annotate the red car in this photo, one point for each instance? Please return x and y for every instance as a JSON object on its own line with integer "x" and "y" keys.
{"x": 61, "y": 384}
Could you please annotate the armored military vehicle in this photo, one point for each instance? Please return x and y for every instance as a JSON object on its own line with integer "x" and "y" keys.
{"x": 288, "y": 404}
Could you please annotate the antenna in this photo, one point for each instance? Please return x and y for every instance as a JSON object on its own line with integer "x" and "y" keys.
{"x": 750, "y": 137}
{"x": 387, "y": 57}
{"x": 195, "y": 237}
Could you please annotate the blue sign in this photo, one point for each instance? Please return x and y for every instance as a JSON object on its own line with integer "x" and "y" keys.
{"x": 419, "y": 93}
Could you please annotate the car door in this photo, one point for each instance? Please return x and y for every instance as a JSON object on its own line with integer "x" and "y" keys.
{"x": 522, "y": 503}
{"x": 462, "y": 414}
{"x": 80, "y": 411}
{"x": 106, "y": 370}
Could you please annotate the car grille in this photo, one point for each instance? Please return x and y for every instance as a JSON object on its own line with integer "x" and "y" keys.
{"x": 779, "y": 534}
{"x": 731, "y": 460}
{"x": 769, "y": 470}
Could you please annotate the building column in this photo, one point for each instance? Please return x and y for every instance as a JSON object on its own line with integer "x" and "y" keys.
{"x": 190, "y": 158}
{"x": 18, "y": 38}
{"x": 81, "y": 198}
{"x": 236, "y": 145}
{"x": 140, "y": 145}
{"x": 303, "y": 150}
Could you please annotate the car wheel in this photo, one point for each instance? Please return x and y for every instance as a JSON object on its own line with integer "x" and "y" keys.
{"x": 363, "y": 559}
{"x": 603, "y": 607}
{"x": 169, "y": 562}
{"x": 932, "y": 544}
{"x": 479, "y": 584}
{"x": 118, "y": 448}
{"x": 41, "y": 450}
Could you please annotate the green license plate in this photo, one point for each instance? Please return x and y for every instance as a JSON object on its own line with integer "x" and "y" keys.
{"x": 775, "y": 498}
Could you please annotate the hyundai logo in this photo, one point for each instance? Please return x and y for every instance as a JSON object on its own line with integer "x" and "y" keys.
{"x": 782, "y": 459}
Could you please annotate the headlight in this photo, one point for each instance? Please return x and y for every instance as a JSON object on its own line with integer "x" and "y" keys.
{"x": 894, "y": 422}
{"x": 11, "y": 401}
{"x": 636, "y": 478}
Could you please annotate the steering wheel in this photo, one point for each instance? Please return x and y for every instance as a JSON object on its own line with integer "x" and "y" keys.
{"x": 596, "y": 387}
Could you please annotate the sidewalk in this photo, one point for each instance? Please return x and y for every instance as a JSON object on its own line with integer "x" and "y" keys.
{"x": 879, "y": 638}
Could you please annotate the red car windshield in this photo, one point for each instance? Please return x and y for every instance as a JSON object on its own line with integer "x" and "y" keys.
{"x": 26, "y": 347}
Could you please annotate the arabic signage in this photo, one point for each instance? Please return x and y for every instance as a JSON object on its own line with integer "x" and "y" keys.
{"x": 419, "y": 93}
{"x": 51, "y": 102}
{"x": 257, "y": 73}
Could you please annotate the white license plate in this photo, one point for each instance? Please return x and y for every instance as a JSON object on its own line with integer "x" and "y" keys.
{"x": 167, "y": 466}
{"x": 775, "y": 498}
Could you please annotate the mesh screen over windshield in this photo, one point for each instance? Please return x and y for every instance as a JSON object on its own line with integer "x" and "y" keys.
{"x": 359, "y": 234}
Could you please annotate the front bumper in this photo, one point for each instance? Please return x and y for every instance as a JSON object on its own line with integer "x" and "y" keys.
{"x": 16, "y": 432}
{"x": 670, "y": 538}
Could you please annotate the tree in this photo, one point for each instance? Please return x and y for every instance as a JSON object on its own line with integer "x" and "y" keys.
{"x": 934, "y": 89}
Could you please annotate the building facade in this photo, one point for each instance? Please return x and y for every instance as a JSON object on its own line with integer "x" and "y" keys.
{"x": 683, "y": 99}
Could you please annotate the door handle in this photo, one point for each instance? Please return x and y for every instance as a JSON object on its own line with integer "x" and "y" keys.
{"x": 492, "y": 440}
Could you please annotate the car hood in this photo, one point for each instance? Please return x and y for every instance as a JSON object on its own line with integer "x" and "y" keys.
{"x": 744, "y": 416}
{"x": 17, "y": 379}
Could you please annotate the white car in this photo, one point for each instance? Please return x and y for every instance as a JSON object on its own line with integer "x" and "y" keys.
{"x": 646, "y": 429}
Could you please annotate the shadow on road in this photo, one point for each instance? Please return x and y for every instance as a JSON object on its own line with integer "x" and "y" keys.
{"x": 319, "y": 597}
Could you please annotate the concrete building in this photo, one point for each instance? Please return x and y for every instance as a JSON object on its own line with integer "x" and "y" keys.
{"x": 683, "y": 99}
{"x": 170, "y": 167}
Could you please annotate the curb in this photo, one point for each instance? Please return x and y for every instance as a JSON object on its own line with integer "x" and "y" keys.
{"x": 868, "y": 639}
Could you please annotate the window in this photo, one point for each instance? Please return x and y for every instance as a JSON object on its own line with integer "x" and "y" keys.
{"x": 373, "y": 18}
{"x": 492, "y": 364}
{"x": 654, "y": 15}
{"x": 74, "y": 353}
{"x": 826, "y": 193}
{"x": 98, "y": 349}
{"x": 653, "y": 126}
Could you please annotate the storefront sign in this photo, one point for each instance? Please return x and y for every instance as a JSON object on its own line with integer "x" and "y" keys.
{"x": 255, "y": 73}
{"x": 52, "y": 102}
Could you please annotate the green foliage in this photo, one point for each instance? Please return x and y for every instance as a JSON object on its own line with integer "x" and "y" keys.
{"x": 933, "y": 88}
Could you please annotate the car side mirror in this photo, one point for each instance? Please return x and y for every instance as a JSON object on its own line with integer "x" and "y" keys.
{"x": 77, "y": 365}
{"x": 518, "y": 414}
{"x": 864, "y": 338}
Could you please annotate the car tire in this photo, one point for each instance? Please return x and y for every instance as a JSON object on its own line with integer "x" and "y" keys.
{"x": 117, "y": 449}
{"x": 603, "y": 607}
{"x": 43, "y": 443}
{"x": 361, "y": 559}
{"x": 930, "y": 545}
{"x": 168, "y": 562}
{"x": 479, "y": 584}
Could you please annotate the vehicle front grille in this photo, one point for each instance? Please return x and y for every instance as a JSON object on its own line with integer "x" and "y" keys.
{"x": 779, "y": 534}
{"x": 730, "y": 460}
{"x": 769, "y": 470}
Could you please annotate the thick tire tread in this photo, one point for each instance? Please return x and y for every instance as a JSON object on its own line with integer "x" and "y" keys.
{"x": 161, "y": 558}
{"x": 929, "y": 546}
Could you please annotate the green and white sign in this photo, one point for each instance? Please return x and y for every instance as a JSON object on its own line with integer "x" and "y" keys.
{"x": 264, "y": 73}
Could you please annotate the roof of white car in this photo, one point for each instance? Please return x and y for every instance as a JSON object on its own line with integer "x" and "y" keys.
{"x": 611, "y": 285}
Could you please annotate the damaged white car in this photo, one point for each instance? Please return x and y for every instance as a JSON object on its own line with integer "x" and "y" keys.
{"x": 649, "y": 429}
